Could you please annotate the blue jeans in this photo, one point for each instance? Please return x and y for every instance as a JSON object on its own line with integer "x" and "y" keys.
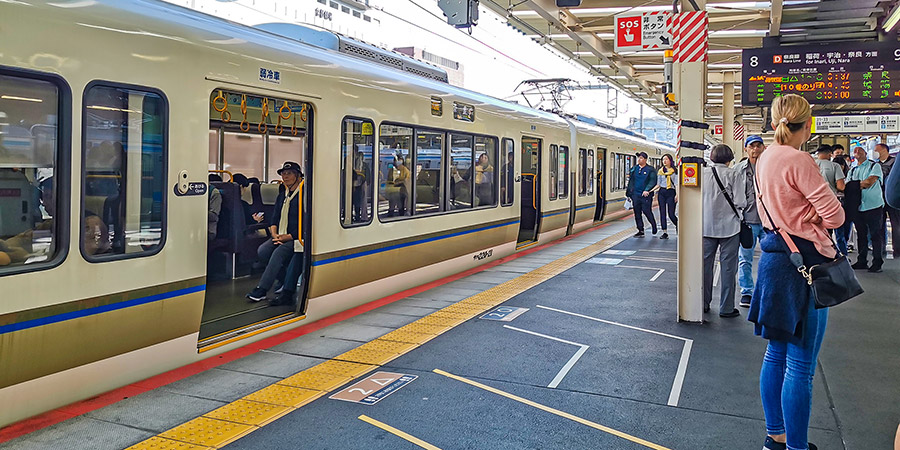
{"x": 786, "y": 381}
{"x": 745, "y": 261}
{"x": 277, "y": 257}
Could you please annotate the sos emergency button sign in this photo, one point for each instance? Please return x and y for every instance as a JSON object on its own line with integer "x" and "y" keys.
{"x": 643, "y": 31}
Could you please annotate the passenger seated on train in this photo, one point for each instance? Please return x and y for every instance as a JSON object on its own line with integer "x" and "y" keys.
{"x": 95, "y": 235}
{"x": 284, "y": 229}
{"x": 398, "y": 191}
{"x": 509, "y": 173}
{"x": 18, "y": 248}
{"x": 215, "y": 207}
{"x": 247, "y": 198}
{"x": 360, "y": 183}
{"x": 484, "y": 181}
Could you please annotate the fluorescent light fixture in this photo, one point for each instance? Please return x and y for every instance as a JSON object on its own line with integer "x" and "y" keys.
{"x": 650, "y": 66}
{"x": 739, "y": 33}
{"x": 601, "y": 66}
{"x": 892, "y": 19}
{"x": 724, "y": 66}
{"x": 728, "y": 50}
{"x": 108, "y": 108}
{"x": 582, "y": 53}
{"x": 23, "y": 99}
{"x": 619, "y": 77}
{"x": 631, "y": 86}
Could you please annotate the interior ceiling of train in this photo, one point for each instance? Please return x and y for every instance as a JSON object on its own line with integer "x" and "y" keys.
{"x": 585, "y": 33}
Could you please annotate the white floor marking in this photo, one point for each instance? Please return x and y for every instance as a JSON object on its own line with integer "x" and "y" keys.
{"x": 716, "y": 275}
{"x": 657, "y": 269}
{"x": 652, "y": 258}
{"x": 565, "y": 370}
{"x": 659, "y": 251}
{"x": 675, "y": 393}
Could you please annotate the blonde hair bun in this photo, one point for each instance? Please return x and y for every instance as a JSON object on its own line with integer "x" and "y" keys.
{"x": 789, "y": 112}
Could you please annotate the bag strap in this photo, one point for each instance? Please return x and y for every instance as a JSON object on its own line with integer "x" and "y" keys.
{"x": 727, "y": 197}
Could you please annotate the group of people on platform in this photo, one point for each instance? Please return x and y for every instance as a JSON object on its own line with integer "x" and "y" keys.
{"x": 817, "y": 202}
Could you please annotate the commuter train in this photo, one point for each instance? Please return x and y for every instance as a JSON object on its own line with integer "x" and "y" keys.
{"x": 115, "y": 266}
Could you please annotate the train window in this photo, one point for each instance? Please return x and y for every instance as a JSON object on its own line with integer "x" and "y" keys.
{"x": 554, "y": 170}
{"x": 244, "y": 153}
{"x": 33, "y": 179}
{"x": 589, "y": 173}
{"x": 394, "y": 179}
{"x": 564, "y": 171}
{"x": 508, "y": 173}
{"x": 428, "y": 175}
{"x": 357, "y": 153}
{"x": 281, "y": 149}
{"x": 485, "y": 171}
{"x": 124, "y": 172}
{"x": 460, "y": 194}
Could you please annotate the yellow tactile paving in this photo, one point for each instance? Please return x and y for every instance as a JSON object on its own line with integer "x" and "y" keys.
{"x": 249, "y": 412}
{"x": 278, "y": 394}
{"x": 367, "y": 356}
{"x": 318, "y": 381}
{"x": 158, "y": 443}
{"x": 208, "y": 432}
{"x": 342, "y": 368}
{"x": 383, "y": 345}
{"x": 237, "y": 419}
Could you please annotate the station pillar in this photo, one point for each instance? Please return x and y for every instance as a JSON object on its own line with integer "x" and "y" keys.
{"x": 728, "y": 113}
{"x": 691, "y": 97}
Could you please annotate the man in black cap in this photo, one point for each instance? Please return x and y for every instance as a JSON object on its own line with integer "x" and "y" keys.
{"x": 641, "y": 180}
{"x": 284, "y": 230}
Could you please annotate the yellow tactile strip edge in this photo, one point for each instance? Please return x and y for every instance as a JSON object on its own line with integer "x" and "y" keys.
{"x": 237, "y": 419}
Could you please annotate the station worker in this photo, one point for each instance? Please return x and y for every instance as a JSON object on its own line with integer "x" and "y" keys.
{"x": 887, "y": 164}
{"x": 284, "y": 230}
{"x": 870, "y": 218}
{"x": 641, "y": 180}
{"x": 746, "y": 169}
{"x": 795, "y": 199}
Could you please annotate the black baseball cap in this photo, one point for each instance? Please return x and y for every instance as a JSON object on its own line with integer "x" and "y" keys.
{"x": 644, "y": 154}
{"x": 290, "y": 165}
{"x": 825, "y": 149}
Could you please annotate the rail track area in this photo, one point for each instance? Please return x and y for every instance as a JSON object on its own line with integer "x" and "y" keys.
{"x": 571, "y": 346}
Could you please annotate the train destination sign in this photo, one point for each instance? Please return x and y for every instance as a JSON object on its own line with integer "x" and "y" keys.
{"x": 864, "y": 72}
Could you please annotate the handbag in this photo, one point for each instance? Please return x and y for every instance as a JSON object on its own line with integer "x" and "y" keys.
{"x": 629, "y": 204}
{"x": 832, "y": 282}
{"x": 746, "y": 233}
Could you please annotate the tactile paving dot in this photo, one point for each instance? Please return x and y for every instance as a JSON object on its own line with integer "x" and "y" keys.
{"x": 208, "y": 432}
{"x": 406, "y": 336}
{"x": 318, "y": 381}
{"x": 342, "y": 368}
{"x": 416, "y": 327}
{"x": 397, "y": 348}
{"x": 158, "y": 443}
{"x": 366, "y": 356}
{"x": 277, "y": 394}
{"x": 248, "y": 412}
{"x": 451, "y": 315}
{"x": 438, "y": 321}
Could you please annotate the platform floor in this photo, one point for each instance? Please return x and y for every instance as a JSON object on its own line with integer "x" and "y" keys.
{"x": 598, "y": 361}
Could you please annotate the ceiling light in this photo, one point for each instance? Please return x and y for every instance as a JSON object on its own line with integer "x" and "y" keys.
{"x": 892, "y": 19}
{"x": 24, "y": 99}
{"x": 109, "y": 108}
{"x": 724, "y": 66}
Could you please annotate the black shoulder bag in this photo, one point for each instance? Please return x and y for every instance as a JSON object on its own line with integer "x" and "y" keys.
{"x": 746, "y": 234}
{"x": 832, "y": 282}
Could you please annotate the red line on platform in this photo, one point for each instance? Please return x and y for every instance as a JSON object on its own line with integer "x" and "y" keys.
{"x": 94, "y": 403}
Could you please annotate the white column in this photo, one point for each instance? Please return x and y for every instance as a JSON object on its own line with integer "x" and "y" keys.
{"x": 691, "y": 90}
{"x": 728, "y": 113}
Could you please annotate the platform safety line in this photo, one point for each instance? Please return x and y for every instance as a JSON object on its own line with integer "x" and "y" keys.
{"x": 397, "y": 432}
{"x": 310, "y": 384}
{"x": 678, "y": 383}
{"x": 554, "y": 411}
{"x": 571, "y": 363}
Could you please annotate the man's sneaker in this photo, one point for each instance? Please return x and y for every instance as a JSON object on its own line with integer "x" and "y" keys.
{"x": 653, "y": 232}
{"x": 745, "y": 301}
{"x": 733, "y": 313}
{"x": 875, "y": 269}
{"x": 772, "y": 445}
{"x": 257, "y": 294}
{"x": 860, "y": 265}
{"x": 664, "y": 235}
{"x": 279, "y": 290}
{"x": 639, "y": 234}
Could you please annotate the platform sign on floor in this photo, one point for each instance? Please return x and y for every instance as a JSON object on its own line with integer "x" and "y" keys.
{"x": 606, "y": 261}
{"x": 620, "y": 252}
{"x": 504, "y": 314}
{"x": 374, "y": 388}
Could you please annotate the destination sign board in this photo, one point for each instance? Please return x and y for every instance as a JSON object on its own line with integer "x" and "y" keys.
{"x": 863, "y": 72}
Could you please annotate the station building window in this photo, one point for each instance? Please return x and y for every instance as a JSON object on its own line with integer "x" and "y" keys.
{"x": 33, "y": 178}
{"x": 563, "y": 163}
{"x": 124, "y": 172}
{"x": 508, "y": 173}
{"x": 357, "y": 154}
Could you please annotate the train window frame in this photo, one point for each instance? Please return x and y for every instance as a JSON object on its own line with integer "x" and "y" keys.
{"x": 495, "y": 183}
{"x": 591, "y": 170}
{"x": 61, "y": 170}
{"x": 553, "y": 173}
{"x": 564, "y": 182}
{"x": 511, "y": 186}
{"x": 165, "y": 171}
{"x": 372, "y": 172}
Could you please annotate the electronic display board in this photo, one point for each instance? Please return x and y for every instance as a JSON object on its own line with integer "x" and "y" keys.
{"x": 862, "y": 72}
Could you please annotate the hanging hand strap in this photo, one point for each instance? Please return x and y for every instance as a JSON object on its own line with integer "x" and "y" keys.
{"x": 727, "y": 197}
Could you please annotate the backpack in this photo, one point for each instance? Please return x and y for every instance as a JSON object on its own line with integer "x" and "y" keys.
{"x": 852, "y": 195}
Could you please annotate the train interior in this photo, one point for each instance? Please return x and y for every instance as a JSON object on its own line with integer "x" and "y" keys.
{"x": 531, "y": 191}
{"x": 250, "y": 138}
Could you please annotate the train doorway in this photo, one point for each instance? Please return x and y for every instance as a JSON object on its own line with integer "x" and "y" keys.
{"x": 255, "y": 267}
{"x": 600, "y": 186}
{"x": 531, "y": 190}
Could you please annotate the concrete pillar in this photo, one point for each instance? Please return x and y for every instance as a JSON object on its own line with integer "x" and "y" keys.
{"x": 728, "y": 113}
{"x": 692, "y": 84}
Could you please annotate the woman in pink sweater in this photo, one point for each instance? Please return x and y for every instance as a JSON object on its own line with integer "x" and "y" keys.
{"x": 795, "y": 198}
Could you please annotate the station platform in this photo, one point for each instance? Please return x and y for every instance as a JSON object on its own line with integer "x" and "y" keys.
{"x": 572, "y": 345}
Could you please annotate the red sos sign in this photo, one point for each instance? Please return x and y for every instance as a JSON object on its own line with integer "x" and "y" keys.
{"x": 628, "y": 31}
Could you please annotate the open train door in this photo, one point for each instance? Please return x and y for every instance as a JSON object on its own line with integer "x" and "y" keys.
{"x": 600, "y": 185}
{"x": 531, "y": 191}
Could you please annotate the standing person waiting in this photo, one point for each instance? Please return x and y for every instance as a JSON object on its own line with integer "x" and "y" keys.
{"x": 870, "y": 219}
{"x": 834, "y": 176}
{"x": 722, "y": 199}
{"x": 887, "y": 164}
{"x": 668, "y": 179}
{"x": 746, "y": 169}
{"x": 794, "y": 199}
{"x": 641, "y": 180}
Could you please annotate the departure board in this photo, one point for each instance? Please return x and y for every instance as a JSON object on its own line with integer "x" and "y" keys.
{"x": 864, "y": 72}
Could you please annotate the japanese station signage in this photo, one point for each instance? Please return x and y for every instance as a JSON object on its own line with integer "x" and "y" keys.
{"x": 875, "y": 123}
{"x": 643, "y": 31}
{"x": 863, "y": 72}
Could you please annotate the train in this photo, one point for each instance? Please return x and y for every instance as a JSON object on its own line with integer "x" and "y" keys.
{"x": 113, "y": 115}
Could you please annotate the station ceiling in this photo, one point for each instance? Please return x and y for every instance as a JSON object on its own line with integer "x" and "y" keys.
{"x": 585, "y": 34}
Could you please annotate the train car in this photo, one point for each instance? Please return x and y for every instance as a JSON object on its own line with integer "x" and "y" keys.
{"x": 119, "y": 260}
